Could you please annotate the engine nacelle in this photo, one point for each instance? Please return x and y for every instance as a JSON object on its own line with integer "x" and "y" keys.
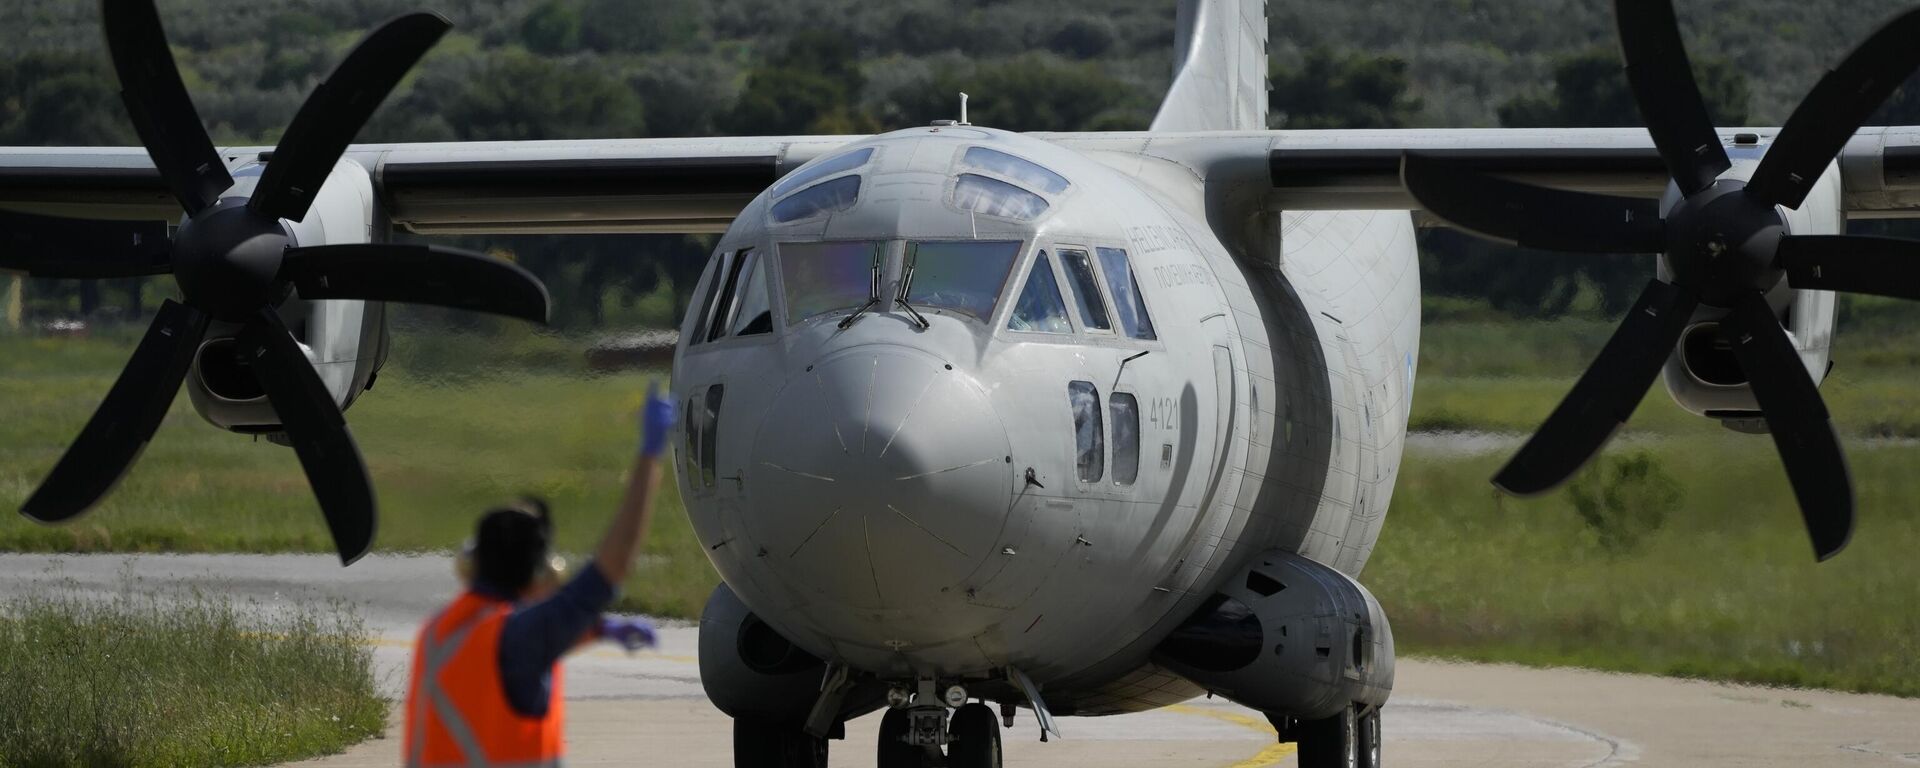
{"x": 1702, "y": 375}
{"x": 751, "y": 672}
{"x": 345, "y": 340}
{"x": 1289, "y": 637}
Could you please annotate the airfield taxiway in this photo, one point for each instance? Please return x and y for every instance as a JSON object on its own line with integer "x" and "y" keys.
{"x": 649, "y": 709}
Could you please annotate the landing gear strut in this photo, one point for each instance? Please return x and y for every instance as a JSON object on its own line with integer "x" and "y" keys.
{"x": 761, "y": 744}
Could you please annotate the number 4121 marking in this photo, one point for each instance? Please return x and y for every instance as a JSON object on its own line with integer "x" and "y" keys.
{"x": 1164, "y": 412}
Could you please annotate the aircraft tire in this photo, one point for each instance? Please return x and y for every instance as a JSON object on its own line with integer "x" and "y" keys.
{"x": 892, "y": 752}
{"x": 760, "y": 744}
{"x": 976, "y": 738}
{"x": 1370, "y": 739}
{"x": 1331, "y": 743}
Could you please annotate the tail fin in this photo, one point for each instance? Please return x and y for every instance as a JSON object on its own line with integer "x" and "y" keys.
{"x": 1220, "y": 68}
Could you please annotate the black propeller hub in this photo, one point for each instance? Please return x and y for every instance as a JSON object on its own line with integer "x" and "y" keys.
{"x": 227, "y": 260}
{"x": 1722, "y": 242}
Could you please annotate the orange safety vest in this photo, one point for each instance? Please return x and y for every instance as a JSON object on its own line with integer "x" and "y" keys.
{"x": 457, "y": 708}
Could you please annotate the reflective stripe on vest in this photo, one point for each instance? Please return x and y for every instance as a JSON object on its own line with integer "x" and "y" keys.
{"x": 430, "y": 703}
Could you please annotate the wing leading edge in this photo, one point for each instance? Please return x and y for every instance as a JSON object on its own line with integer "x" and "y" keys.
{"x": 699, "y": 185}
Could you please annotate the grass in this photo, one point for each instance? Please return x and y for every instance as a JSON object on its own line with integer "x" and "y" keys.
{"x": 179, "y": 679}
{"x": 441, "y": 449}
{"x": 1725, "y": 588}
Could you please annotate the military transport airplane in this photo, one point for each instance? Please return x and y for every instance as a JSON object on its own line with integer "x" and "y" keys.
{"x": 1085, "y": 423}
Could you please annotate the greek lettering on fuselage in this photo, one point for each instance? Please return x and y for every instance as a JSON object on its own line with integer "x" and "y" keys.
{"x": 1157, "y": 238}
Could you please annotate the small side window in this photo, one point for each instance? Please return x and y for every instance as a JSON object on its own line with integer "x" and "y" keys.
{"x": 1127, "y": 301}
{"x": 1089, "y": 434}
{"x": 1086, "y": 290}
{"x": 1125, "y": 411}
{"x": 1040, "y": 309}
{"x": 709, "y": 418}
{"x": 724, "y": 300}
{"x": 752, "y": 314}
{"x": 696, "y": 413}
{"x": 825, "y": 197}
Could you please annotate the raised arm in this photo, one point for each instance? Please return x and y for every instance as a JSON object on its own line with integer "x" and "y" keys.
{"x": 628, "y": 532}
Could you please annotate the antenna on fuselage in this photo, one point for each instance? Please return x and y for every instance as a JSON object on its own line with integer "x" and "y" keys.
{"x": 963, "y": 109}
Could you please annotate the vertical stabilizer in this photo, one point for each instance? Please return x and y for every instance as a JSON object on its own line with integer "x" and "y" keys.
{"x": 1220, "y": 68}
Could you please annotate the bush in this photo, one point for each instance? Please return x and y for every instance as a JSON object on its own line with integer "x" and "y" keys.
{"x": 1625, "y": 498}
{"x": 179, "y": 679}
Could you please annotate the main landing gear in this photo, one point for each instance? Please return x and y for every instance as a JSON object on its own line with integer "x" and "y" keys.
{"x": 1350, "y": 739}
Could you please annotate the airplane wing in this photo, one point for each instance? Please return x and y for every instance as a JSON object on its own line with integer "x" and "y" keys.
{"x": 1360, "y": 170}
{"x": 621, "y": 185}
{"x": 699, "y": 185}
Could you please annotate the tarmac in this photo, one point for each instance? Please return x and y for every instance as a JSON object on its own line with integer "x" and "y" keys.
{"x": 648, "y": 708}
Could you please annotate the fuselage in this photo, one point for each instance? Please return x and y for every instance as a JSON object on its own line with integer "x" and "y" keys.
{"x": 1086, "y": 411}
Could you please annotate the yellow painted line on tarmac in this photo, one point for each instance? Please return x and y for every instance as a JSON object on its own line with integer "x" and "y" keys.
{"x": 1269, "y": 756}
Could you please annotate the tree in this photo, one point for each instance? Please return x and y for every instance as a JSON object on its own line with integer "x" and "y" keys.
{"x": 1030, "y": 92}
{"x": 811, "y": 86}
{"x": 1342, "y": 90}
{"x": 50, "y": 98}
{"x": 641, "y": 26}
{"x": 514, "y": 95}
{"x": 552, "y": 27}
{"x": 1590, "y": 90}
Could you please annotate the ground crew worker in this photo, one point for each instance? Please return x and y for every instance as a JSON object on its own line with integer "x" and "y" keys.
{"x": 486, "y": 686}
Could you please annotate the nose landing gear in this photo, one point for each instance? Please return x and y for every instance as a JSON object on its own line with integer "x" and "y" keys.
{"x": 971, "y": 735}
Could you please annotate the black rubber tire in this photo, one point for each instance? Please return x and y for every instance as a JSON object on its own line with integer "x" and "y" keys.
{"x": 1370, "y": 739}
{"x": 891, "y": 751}
{"x": 759, "y": 744}
{"x": 975, "y": 730}
{"x": 1331, "y": 743}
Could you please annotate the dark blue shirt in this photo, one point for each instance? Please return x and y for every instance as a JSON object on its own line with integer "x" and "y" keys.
{"x": 538, "y": 633}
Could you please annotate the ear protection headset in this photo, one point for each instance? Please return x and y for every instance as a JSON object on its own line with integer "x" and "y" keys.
{"x": 552, "y": 569}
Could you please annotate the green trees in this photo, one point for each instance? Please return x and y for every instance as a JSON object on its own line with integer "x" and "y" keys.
{"x": 1342, "y": 90}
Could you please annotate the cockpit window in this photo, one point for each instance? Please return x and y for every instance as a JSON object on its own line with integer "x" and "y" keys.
{"x": 1086, "y": 290}
{"x": 962, "y": 276}
{"x": 1024, "y": 171}
{"x": 1127, "y": 301}
{"x": 1040, "y": 308}
{"x": 825, "y": 197}
{"x": 753, "y": 309}
{"x": 823, "y": 277}
{"x": 993, "y": 197}
{"x": 841, "y": 164}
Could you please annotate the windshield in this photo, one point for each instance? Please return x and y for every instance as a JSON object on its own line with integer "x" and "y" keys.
{"x": 823, "y": 277}
{"x": 962, "y": 276}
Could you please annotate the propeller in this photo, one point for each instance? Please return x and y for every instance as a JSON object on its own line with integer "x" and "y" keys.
{"x": 1727, "y": 245}
{"x": 236, "y": 261}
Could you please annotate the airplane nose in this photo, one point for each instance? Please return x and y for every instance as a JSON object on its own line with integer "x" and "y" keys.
{"x": 882, "y": 479}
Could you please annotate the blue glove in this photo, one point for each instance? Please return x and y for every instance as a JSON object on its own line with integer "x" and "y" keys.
{"x": 656, "y": 421}
{"x": 631, "y": 634}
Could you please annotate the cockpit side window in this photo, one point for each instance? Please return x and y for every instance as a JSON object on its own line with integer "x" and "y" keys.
{"x": 1087, "y": 301}
{"x": 964, "y": 276}
{"x": 1040, "y": 308}
{"x": 1127, "y": 301}
{"x": 819, "y": 278}
{"x": 1089, "y": 434}
{"x": 723, "y": 301}
{"x": 753, "y": 311}
{"x": 717, "y": 274}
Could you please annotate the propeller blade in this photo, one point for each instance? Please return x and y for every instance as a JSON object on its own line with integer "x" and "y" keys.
{"x": 316, "y": 429}
{"x": 1880, "y": 266}
{"x": 157, "y": 101}
{"x": 1827, "y": 119}
{"x": 1797, "y": 417}
{"x": 125, "y": 420}
{"x": 55, "y": 247}
{"x": 334, "y": 114}
{"x": 1669, "y": 97}
{"x": 1606, "y": 394}
{"x": 416, "y": 274}
{"x": 1530, "y": 216}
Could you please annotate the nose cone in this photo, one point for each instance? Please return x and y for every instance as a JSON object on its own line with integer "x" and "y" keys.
{"x": 882, "y": 480}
